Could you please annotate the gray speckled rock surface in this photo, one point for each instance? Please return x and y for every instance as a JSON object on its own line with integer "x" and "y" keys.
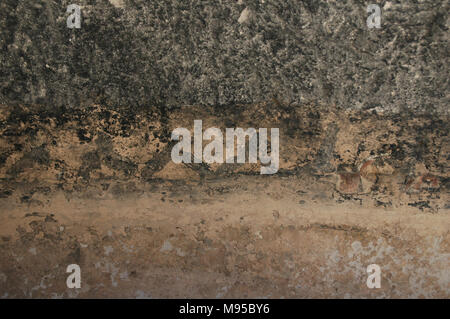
{"x": 172, "y": 52}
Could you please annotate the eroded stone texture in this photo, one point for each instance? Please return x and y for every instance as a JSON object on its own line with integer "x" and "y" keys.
{"x": 177, "y": 52}
{"x": 86, "y": 175}
{"x": 97, "y": 187}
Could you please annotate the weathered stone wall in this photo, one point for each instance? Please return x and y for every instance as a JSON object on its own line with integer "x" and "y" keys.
{"x": 177, "y": 52}
{"x": 86, "y": 175}
{"x": 98, "y": 188}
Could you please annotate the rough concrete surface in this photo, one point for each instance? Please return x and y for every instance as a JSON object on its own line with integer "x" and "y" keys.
{"x": 86, "y": 175}
{"x": 171, "y": 52}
